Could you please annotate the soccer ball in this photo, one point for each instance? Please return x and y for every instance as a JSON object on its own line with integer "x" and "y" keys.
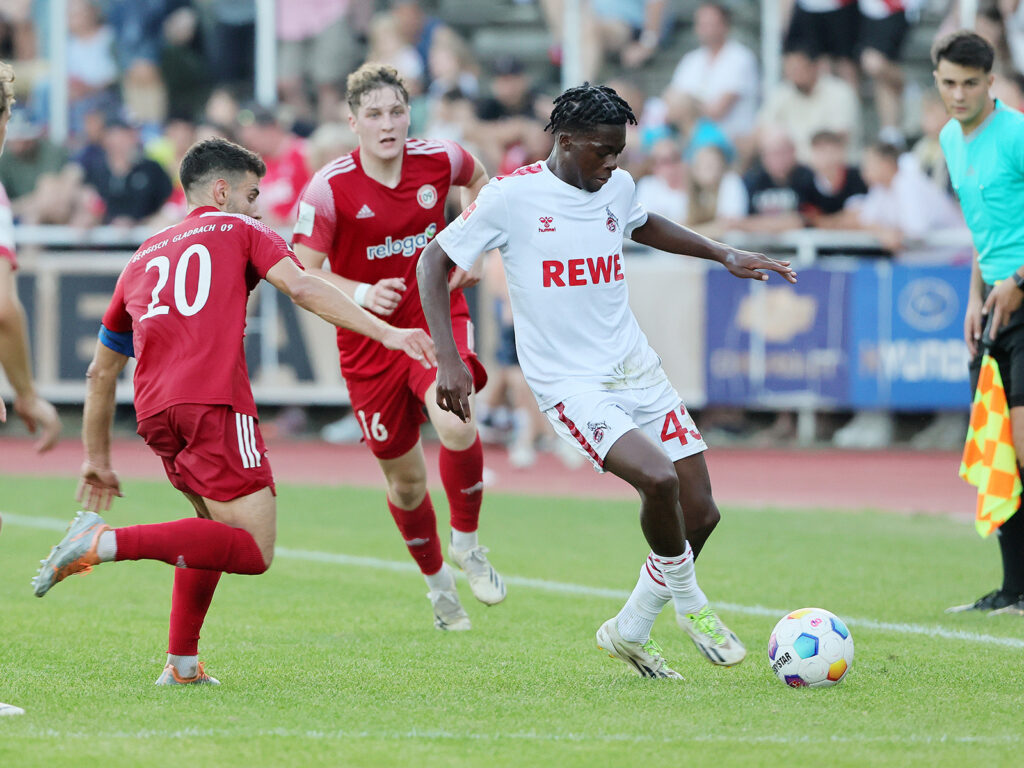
{"x": 810, "y": 647}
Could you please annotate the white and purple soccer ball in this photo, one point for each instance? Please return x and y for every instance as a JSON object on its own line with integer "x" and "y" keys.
{"x": 810, "y": 648}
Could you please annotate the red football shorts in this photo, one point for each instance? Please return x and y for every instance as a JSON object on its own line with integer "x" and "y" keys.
{"x": 389, "y": 407}
{"x": 209, "y": 450}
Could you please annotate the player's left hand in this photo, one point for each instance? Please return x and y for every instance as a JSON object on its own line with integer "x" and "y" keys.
{"x": 39, "y": 415}
{"x": 414, "y": 342}
{"x": 97, "y": 487}
{"x": 454, "y": 385}
{"x": 1004, "y": 300}
{"x": 461, "y": 278}
{"x": 752, "y": 265}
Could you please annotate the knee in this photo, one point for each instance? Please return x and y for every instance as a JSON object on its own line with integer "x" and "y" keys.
{"x": 706, "y": 515}
{"x": 872, "y": 62}
{"x": 407, "y": 489}
{"x": 660, "y": 486}
{"x": 455, "y": 434}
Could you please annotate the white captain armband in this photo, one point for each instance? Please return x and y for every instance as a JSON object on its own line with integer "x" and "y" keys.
{"x": 120, "y": 342}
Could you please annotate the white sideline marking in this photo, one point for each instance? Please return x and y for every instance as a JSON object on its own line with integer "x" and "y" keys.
{"x": 901, "y": 628}
{"x": 417, "y": 734}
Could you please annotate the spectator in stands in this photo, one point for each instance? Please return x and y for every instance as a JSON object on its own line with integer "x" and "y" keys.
{"x": 513, "y": 133}
{"x": 901, "y": 204}
{"x": 416, "y": 27}
{"x": 836, "y": 182}
{"x": 389, "y": 46}
{"x": 451, "y": 65}
{"x": 230, "y": 38}
{"x": 826, "y": 29}
{"x": 779, "y": 187}
{"x": 809, "y": 101}
{"x": 179, "y": 133}
{"x": 882, "y": 30}
{"x": 316, "y": 46}
{"x": 285, "y": 155}
{"x": 926, "y": 150}
{"x": 131, "y": 186}
{"x": 92, "y": 68}
{"x": 183, "y": 66}
{"x": 664, "y": 189}
{"x": 716, "y": 197}
{"x": 453, "y": 117}
{"x": 27, "y": 156}
{"x": 718, "y": 81}
{"x": 328, "y": 141}
{"x": 651, "y": 124}
{"x": 138, "y": 26}
{"x": 222, "y": 107}
{"x": 1013, "y": 22}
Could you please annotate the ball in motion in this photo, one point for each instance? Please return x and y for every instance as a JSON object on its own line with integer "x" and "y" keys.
{"x": 810, "y": 648}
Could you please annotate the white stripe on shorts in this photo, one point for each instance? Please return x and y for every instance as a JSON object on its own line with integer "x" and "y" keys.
{"x": 241, "y": 441}
{"x": 252, "y": 442}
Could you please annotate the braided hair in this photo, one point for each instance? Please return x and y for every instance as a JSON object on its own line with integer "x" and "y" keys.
{"x": 587, "y": 106}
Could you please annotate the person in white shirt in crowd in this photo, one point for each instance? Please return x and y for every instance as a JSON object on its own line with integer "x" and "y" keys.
{"x": 716, "y": 196}
{"x": 664, "y": 189}
{"x": 810, "y": 101}
{"x": 718, "y": 80}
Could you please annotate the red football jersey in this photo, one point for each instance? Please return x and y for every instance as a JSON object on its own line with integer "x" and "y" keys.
{"x": 183, "y": 297}
{"x": 285, "y": 178}
{"x": 370, "y": 232}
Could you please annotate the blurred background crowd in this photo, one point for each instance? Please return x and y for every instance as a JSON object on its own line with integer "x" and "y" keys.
{"x": 843, "y": 136}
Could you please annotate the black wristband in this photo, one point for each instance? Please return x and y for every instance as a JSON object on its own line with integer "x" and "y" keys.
{"x": 1018, "y": 278}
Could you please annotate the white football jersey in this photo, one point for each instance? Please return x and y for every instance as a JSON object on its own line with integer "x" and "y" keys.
{"x": 562, "y": 251}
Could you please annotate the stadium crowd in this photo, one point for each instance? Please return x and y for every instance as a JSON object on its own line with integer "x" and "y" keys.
{"x": 832, "y": 145}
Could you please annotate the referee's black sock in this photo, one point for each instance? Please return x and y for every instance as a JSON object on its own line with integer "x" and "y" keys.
{"x": 1011, "y": 547}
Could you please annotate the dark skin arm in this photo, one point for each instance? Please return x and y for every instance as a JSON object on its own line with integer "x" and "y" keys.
{"x": 658, "y": 232}
{"x": 454, "y": 381}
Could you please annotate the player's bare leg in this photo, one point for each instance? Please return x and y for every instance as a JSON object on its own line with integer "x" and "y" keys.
{"x": 462, "y": 465}
{"x": 413, "y": 512}
{"x": 700, "y": 513}
{"x": 669, "y": 570}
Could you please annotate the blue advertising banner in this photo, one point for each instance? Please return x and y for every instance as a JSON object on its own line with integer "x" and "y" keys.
{"x": 907, "y": 338}
{"x": 857, "y": 334}
{"x": 774, "y": 344}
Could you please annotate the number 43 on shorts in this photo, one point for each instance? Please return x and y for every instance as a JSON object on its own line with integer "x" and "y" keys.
{"x": 673, "y": 429}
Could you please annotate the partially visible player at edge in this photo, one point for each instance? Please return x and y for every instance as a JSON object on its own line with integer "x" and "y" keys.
{"x": 179, "y": 308}
{"x": 36, "y": 412}
{"x": 559, "y": 225}
{"x": 983, "y": 143}
{"x": 369, "y": 214}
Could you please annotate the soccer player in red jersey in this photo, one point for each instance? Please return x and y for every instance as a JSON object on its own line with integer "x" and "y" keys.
{"x": 370, "y": 214}
{"x": 37, "y": 413}
{"x": 179, "y": 308}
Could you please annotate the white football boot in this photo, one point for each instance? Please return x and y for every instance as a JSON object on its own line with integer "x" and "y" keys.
{"x": 643, "y": 658}
{"x": 715, "y": 640}
{"x": 487, "y": 585}
{"x": 449, "y": 615}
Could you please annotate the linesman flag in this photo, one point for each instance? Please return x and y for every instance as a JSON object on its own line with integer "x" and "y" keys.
{"x": 989, "y": 460}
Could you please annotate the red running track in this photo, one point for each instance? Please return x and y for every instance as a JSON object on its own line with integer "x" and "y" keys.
{"x": 897, "y": 481}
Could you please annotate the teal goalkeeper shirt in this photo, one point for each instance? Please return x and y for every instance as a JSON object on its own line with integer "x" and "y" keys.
{"x": 986, "y": 168}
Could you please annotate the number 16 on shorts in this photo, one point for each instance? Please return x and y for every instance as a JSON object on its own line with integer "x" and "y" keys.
{"x": 373, "y": 429}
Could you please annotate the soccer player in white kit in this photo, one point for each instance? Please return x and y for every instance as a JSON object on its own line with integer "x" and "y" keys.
{"x": 559, "y": 225}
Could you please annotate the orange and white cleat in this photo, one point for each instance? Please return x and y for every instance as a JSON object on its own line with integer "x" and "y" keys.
{"x": 76, "y": 552}
{"x": 170, "y": 676}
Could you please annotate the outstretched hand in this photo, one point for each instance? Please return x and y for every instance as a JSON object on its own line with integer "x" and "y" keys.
{"x": 39, "y": 416}
{"x": 97, "y": 487}
{"x": 412, "y": 341}
{"x": 753, "y": 265}
{"x": 454, "y": 385}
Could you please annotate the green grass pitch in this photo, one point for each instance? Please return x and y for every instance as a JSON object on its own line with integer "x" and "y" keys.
{"x": 328, "y": 662}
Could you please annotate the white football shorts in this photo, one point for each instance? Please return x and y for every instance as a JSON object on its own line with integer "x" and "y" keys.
{"x": 593, "y": 421}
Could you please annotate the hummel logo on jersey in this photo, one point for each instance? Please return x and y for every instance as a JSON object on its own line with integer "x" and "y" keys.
{"x": 365, "y": 212}
{"x": 547, "y": 224}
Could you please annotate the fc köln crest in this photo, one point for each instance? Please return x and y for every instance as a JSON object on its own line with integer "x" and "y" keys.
{"x": 611, "y": 222}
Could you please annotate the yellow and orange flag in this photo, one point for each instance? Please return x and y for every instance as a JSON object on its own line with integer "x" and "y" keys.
{"x": 989, "y": 461}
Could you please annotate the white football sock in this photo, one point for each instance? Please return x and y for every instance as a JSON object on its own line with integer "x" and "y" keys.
{"x": 442, "y": 581}
{"x": 106, "y": 549}
{"x": 186, "y": 666}
{"x": 681, "y": 580}
{"x": 462, "y": 540}
{"x": 649, "y": 596}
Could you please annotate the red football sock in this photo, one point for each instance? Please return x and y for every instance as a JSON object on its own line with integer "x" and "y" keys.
{"x": 462, "y": 474}
{"x": 193, "y": 591}
{"x": 419, "y": 529}
{"x": 192, "y": 543}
